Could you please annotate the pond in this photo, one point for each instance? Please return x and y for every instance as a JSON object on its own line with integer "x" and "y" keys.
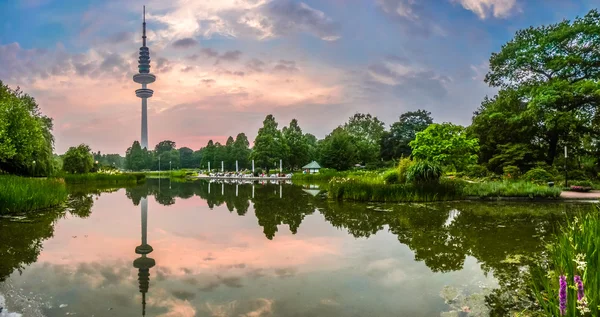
{"x": 210, "y": 249}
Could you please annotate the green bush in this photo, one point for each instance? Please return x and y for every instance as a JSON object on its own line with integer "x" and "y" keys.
{"x": 511, "y": 172}
{"x": 511, "y": 189}
{"x": 403, "y": 166}
{"x": 577, "y": 175}
{"x": 101, "y": 178}
{"x": 20, "y": 194}
{"x": 391, "y": 177}
{"x": 258, "y": 171}
{"x": 424, "y": 172}
{"x": 538, "y": 175}
{"x": 476, "y": 171}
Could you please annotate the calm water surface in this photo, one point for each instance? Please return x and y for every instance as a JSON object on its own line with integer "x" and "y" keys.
{"x": 266, "y": 250}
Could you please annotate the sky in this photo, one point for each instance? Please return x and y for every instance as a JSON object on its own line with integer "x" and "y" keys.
{"x": 223, "y": 65}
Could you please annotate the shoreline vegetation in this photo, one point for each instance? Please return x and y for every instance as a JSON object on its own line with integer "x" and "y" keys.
{"x": 104, "y": 178}
{"x": 22, "y": 194}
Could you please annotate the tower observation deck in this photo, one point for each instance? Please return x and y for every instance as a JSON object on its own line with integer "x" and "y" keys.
{"x": 144, "y": 77}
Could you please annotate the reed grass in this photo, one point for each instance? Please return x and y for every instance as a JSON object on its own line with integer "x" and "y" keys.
{"x": 170, "y": 174}
{"x": 20, "y": 194}
{"x": 511, "y": 189}
{"x": 102, "y": 178}
{"x": 574, "y": 253}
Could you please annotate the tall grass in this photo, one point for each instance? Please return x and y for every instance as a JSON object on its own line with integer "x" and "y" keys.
{"x": 19, "y": 194}
{"x": 101, "y": 178}
{"x": 374, "y": 189}
{"x": 510, "y": 189}
{"x": 170, "y": 174}
{"x": 574, "y": 253}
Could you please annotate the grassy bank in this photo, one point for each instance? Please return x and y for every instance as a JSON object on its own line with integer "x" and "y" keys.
{"x": 510, "y": 189}
{"x": 376, "y": 190}
{"x": 170, "y": 174}
{"x": 19, "y": 194}
{"x": 101, "y": 178}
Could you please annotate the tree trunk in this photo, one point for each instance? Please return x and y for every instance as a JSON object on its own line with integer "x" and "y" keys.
{"x": 552, "y": 144}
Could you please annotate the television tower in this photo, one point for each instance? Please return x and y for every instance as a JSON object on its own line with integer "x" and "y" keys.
{"x": 144, "y": 77}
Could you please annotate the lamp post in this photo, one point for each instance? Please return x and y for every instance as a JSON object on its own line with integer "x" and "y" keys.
{"x": 33, "y": 167}
{"x": 566, "y": 173}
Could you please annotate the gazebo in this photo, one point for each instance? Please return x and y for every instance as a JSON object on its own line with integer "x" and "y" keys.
{"x": 311, "y": 168}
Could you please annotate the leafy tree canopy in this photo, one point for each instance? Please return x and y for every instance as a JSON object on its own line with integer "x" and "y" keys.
{"x": 78, "y": 160}
{"x": 446, "y": 144}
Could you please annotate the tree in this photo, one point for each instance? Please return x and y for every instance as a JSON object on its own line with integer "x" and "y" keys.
{"x": 208, "y": 155}
{"x": 366, "y": 131}
{"x": 297, "y": 145}
{"x": 269, "y": 146}
{"x": 186, "y": 157}
{"x": 229, "y": 158}
{"x": 136, "y": 157}
{"x": 25, "y": 135}
{"x": 507, "y": 133}
{"x": 447, "y": 144}
{"x": 241, "y": 151}
{"x": 78, "y": 160}
{"x": 164, "y": 146}
{"x": 555, "y": 69}
{"x": 313, "y": 147}
{"x": 338, "y": 150}
{"x": 395, "y": 143}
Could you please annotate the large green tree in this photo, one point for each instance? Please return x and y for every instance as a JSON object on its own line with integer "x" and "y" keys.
{"x": 556, "y": 70}
{"x": 269, "y": 145}
{"x": 297, "y": 144}
{"x": 186, "y": 158}
{"x": 136, "y": 158}
{"x": 447, "y": 144}
{"x": 26, "y": 141}
{"x": 338, "y": 150}
{"x": 208, "y": 155}
{"x": 78, "y": 160}
{"x": 366, "y": 131}
{"x": 395, "y": 143}
{"x": 241, "y": 151}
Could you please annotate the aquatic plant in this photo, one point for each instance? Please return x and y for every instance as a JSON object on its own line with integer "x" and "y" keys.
{"x": 102, "y": 178}
{"x": 573, "y": 253}
{"x": 511, "y": 189}
{"x": 424, "y": 172}
{"x": 20, "y": 194}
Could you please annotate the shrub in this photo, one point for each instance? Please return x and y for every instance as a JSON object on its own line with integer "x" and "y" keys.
{"x": 538, "y": 175}
{"x": 476, "y": 171}
{"x": 258, "y": 171}
{"x": 577, "y": 175}
{"x": 424, "y": 172}
{"x": 403, "y": 167}
{"x": 511, "y": 189}
{"x": 391, "y": 177}
{"x": 511, "y": 172}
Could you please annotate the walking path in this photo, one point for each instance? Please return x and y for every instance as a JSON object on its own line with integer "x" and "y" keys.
{"x": 591, "y": 195}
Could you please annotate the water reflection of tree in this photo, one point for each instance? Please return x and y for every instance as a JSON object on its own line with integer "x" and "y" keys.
{"x": 22, "y": 239}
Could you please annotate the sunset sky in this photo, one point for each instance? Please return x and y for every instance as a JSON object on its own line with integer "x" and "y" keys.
{"x": 223, "y": 65}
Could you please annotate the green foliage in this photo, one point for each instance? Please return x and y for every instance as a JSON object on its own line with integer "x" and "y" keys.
{"x": 366, "y": 132}
{"x": 510, "y": 189}
{"x": 78, "y": 160}
{"x": 297, "y": 144}
{"x": 476, "y": 171}
{"x": 511, "y": 172}
{"x": 577, "y": 175}
{"x": 554, "y": 68}
{"x": 136, "y": 158}
{"x": 391, "y": 177}
{"x": 422, "y": 172}
{"x": 372, "y": 189}
{"x": 102, "y": 178}
{"x": 258, "y": 171}
{"x": 446, "y": 144}
{"x": 538, "y": 175}
{"x": 395, "y": 143}
{"x": 269, "y": 145}
{"x": 403, "y": 166}
{"x": 186, "y": 158}
{"x": 25, "y": 135}
{"x": 574, "y": 252}
{"x": 338, "y": 150}
{"x": 19, "y": 194}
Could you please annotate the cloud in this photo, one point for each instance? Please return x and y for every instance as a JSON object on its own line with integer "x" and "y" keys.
{"x": 486, "y": 8}
{"x": 286, "y": 66}
{"x": 288, "y": 16}
{"x": 185, "y": 43}
{"x": 231, "y": 56}
{"x": 412, "y": 15}
{"x": 256, "y": 65}
{"x": 120, "y": 37}
{"x": 207, "y": 51}
{"x": 163, "y": 65}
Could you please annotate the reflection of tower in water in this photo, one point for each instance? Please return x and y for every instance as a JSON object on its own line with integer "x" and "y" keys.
{"x": 144, "y": 263}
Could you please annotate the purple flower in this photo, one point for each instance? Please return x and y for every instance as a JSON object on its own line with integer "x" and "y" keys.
{"x": 562, "y": 295}
{"x": 579, "y": 284}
